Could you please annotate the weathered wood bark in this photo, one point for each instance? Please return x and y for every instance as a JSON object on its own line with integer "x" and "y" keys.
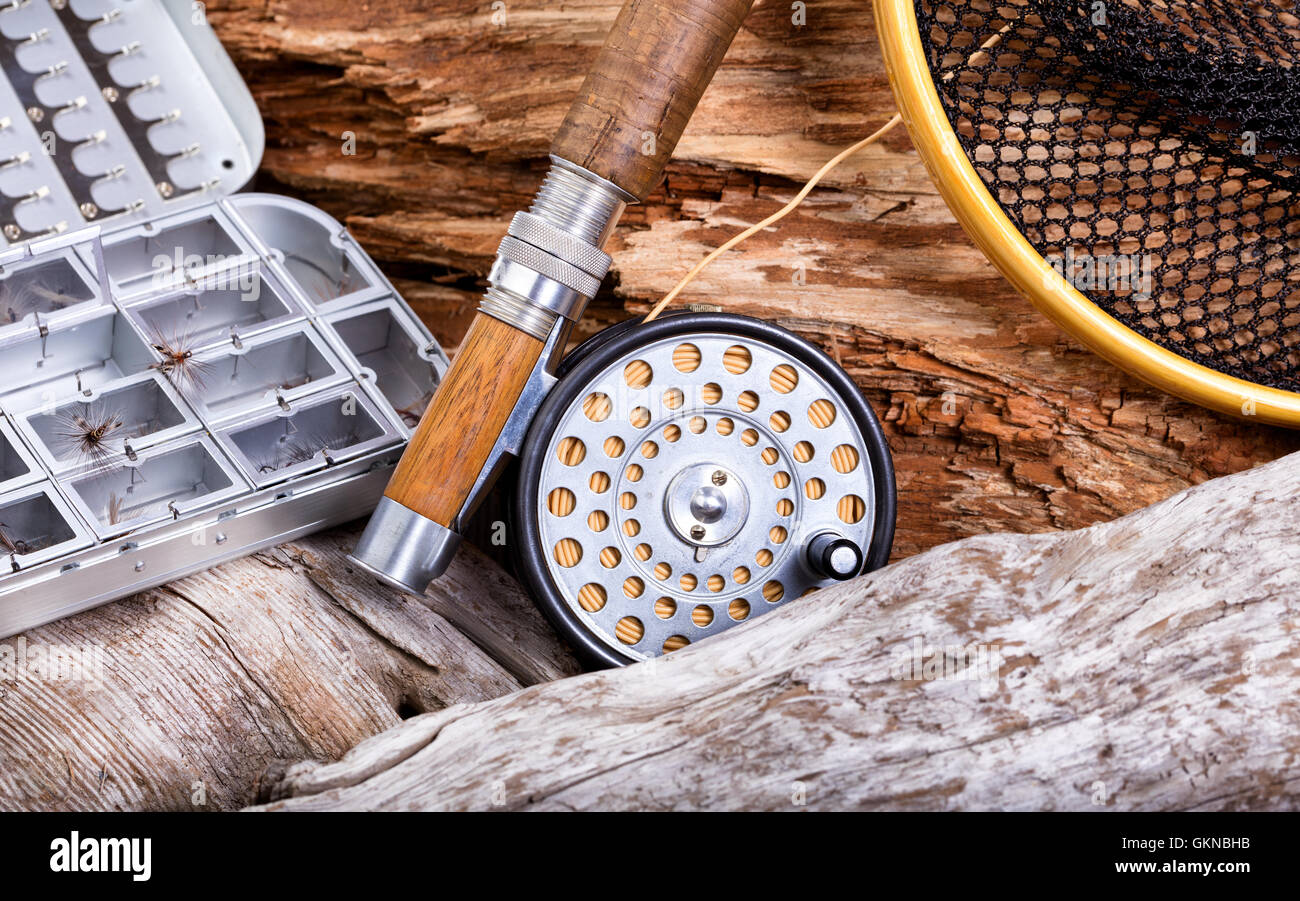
{"x": 1146, "y": 663}
{"x": 998, "y": 421}
{"x": 198, "y": 687}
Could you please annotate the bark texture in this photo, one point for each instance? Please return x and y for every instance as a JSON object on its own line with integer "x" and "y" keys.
{"x": 998, "y": 421}
{"x": 1147, "y": 663}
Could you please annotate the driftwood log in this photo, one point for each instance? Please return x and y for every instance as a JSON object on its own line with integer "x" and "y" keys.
{"x": 1148, "y": 663}
{"x": 1137, "y": 657}
{"x": 193, "y": 690}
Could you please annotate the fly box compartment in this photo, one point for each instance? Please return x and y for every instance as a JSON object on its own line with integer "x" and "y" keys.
{"x": 155, "y": 486}
{"x": 96, "y": 427}
{"x": 35, "y": 292}
{"x": 319, "y": 431}
{"x": 191, "y": 374}
{"x": 388, "y": 345}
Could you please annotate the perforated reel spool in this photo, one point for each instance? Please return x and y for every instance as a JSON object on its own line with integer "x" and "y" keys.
{"x": 691, "y": 473}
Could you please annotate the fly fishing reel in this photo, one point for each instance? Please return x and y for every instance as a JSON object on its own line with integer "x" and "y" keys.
{"x": 677, "y": 475}
{"x": 690, "y": 473}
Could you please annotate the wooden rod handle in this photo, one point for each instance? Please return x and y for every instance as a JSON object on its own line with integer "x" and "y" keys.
{"x": 456, "y": 434}
{"x": 624, "y": 125}
{"x": 644, "y": 86}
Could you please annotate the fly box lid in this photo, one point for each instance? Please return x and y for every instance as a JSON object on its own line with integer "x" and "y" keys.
{"x": 114, "y": 111}
{"x": 191, "y": 373}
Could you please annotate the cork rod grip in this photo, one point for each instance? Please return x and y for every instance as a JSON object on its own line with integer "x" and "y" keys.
{"x": 455, "y": 436}
{"x": 643, "y": 88}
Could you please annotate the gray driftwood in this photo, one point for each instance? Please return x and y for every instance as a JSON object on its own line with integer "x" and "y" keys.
{"x": 1147, "y": 663}
{"x": 205, "y": 683}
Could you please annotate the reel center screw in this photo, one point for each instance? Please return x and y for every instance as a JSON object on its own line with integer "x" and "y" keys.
{"x": 706, "y": 504}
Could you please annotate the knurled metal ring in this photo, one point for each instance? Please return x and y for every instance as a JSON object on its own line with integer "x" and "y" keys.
{"x": 541, "y": 234}
{"x": 548, "y": 265}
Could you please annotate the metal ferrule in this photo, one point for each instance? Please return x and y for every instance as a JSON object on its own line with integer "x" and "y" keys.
{"x": 404, "y": 549}
{"x": 580, "y": 202}
{"x": 550, "y": 263}
{"x": 538, "y": 288}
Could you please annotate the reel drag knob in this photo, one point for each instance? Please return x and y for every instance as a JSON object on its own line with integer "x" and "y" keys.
{"x": 834, "y": 556}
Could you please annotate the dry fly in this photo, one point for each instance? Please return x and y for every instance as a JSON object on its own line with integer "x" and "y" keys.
{"x": 90, "y": 434}
{"x": 293, "y": 451}
{"x": 117, "y": 512}
{"x": 318, "y": 283}
{"x": 13, "y": 545}
{"x": 313, "y": 443}
{"x": 114, "y": 508}
{"x": 411, "y": 415}
{"x": 178, "y": 363}
{"x": 29, "y": 298}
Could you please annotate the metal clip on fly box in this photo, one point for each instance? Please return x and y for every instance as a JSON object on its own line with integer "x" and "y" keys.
{"x": 190, "y": 374}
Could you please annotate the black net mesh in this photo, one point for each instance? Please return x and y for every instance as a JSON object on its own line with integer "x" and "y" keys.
{"x": 1148, "y": 150}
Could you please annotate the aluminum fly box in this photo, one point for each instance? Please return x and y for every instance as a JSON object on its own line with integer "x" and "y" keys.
{"x": 189, "y": 373}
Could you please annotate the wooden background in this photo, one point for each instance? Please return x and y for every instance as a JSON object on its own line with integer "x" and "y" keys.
{"x": 216, "y": 685}
{"x": 997, "y": 420}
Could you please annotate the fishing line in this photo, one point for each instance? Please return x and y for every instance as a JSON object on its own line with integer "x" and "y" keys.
{"x": 775, "y": 217}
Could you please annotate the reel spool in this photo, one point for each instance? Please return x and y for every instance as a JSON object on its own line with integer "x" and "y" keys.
{"x": 688, "y": 474}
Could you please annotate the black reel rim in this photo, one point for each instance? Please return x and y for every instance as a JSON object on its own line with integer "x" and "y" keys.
{"x": 592, "y": 357}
